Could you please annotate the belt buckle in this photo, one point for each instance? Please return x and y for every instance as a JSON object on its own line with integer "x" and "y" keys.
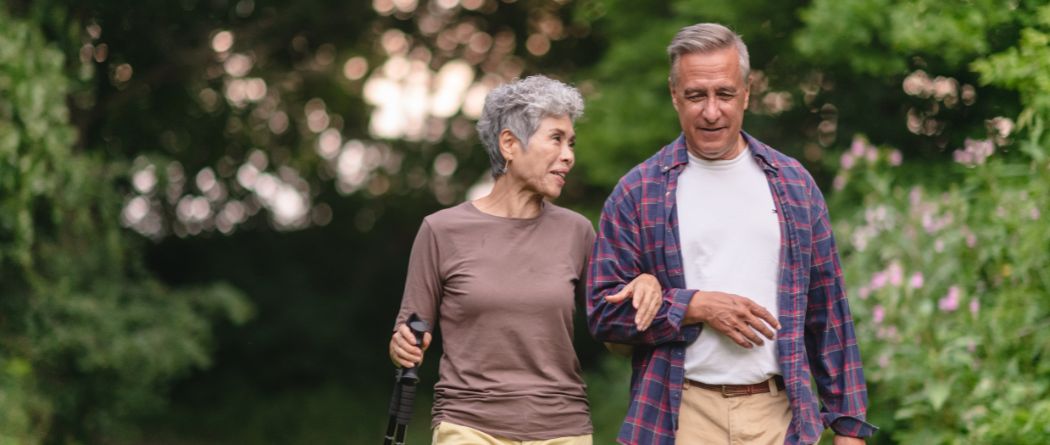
{"x": 724, "y": 394}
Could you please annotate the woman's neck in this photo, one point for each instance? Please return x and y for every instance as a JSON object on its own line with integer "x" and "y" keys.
{"x": 510, "y": 200}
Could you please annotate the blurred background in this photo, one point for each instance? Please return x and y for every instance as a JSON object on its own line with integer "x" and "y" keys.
{"x": 206, "y": 206}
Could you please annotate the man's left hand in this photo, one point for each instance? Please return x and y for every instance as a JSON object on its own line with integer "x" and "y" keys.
{"x": 847, "y": 440}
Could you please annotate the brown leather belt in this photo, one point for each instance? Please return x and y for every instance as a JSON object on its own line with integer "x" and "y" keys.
{"x": 739, "y": 390}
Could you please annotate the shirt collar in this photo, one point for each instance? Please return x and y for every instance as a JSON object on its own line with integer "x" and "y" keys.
{"x": 678, "y": 154}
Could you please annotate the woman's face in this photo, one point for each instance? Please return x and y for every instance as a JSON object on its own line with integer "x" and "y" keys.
{"x": 549, "y": 156}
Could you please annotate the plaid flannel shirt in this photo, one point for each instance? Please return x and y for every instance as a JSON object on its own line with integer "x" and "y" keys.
{"x": 638, "y": 233}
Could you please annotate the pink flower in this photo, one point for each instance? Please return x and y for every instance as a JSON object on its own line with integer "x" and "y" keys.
{"x": 1034, "y": 214}
{"x": 884, "y": 361}
{"x": 872, "y": 154}
{"x": 846, "y": 161}
{"x": 950, "y": 302}
{"x": 916, "y": 280}
{"x": 929, "y": 224}
{"x": 878, "y": 314}
{"x": 974, "y": 152}
{"x": 895, "y": 273}
{"x": 857, "y": 147}
{"x": 971, "y": 239}
{"x": 938, "y": 245}
{"x": 865, "y": 291}
{"x": 896, "y": 158}
{"x": 915, "y": 196}
{"x": 878, "y": 281}
{"x": 975, "y": 306}
{"x": 839, "y": 183}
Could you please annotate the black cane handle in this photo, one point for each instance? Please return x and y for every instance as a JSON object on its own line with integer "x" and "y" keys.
{"x": 404, "y": 389}
{"x": 418, "y": 326}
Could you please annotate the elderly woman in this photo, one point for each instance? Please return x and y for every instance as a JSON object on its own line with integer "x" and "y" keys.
{"x": 499, "y": 275}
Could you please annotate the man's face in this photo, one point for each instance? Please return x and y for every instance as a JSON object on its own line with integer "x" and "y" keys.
{"x": 710, "y": 97}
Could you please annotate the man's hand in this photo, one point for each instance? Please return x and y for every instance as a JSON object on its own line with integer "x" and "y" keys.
{"x": 403, "y": 350}
{"x": 646, "y": 296}
{"x": 847, "y": 440}
{"x": 734, "y": 316}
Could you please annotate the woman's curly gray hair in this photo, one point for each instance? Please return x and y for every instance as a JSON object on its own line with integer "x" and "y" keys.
{"x": 519, "y": 106}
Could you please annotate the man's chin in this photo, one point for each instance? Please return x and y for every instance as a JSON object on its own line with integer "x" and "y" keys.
{"x": 710, "y": 151}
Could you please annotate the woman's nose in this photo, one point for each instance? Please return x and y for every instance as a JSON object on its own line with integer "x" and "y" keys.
{"x": 567, "y": 155}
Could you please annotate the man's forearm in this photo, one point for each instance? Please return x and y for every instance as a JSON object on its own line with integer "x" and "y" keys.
{"x": 614, "y": 323}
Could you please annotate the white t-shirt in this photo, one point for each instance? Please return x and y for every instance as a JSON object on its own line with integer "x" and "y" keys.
{"x": 730, "y": 238}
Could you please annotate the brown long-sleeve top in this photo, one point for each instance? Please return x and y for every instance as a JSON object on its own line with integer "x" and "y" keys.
{"x": 503, "y": 293}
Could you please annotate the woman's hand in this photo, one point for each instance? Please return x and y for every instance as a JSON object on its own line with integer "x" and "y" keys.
{"x": 646, "y": 296}
{"x": 403, "y": 349}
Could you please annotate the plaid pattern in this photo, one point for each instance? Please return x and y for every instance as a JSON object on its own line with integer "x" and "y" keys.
{"x": 638, "y": 232}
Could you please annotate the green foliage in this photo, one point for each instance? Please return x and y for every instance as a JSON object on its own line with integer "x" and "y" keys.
{"x": 88, "y": 338}
{"x": 1026, "y": 69}
{"x": 608, "y": 389}
{"x": 948, "y": 278}
{"x": 878, "y": 37}
{"x": 32, "y": 114}
{"x": 946, "y": 264}
{"x": 327, "y": 414}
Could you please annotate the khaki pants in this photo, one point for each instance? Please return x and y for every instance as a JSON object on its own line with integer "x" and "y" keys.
{"x": 706, "y": 417}
{"x": 452, "y": 434}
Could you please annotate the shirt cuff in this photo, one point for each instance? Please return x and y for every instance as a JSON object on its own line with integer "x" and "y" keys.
{"x": 850, "y": 426}
{"x": 676, "y": 314}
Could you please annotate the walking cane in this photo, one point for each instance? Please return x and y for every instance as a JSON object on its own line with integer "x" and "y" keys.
{"x": 405, "y": 380}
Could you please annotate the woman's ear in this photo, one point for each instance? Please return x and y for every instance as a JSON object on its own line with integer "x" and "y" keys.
{"x": 509, "y": 146}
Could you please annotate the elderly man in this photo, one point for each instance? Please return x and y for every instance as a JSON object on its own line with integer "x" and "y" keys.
{"x": 735, "y": 231}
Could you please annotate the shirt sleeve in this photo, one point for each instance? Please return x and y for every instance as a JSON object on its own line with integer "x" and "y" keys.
{"x": 618, "y": 258}
{"x": 423, "y": 284}
{"x": 580, "y": 289}
{"x": 830, "y": 339}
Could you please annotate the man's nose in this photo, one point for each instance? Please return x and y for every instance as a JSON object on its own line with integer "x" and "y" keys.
{"x": 710, "y": 112}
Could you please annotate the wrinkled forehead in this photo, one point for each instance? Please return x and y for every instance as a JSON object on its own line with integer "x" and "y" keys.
{"x": 709, "y": 70}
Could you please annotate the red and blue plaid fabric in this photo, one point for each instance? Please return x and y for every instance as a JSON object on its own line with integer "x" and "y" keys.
{"x": 638, "y": 233}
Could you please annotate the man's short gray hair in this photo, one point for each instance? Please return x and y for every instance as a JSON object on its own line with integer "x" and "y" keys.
{"x": 703, "y": 38}
{"x": 519, "y": 106}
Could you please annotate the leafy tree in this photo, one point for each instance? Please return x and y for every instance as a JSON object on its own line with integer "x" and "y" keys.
{"x": 89, "y": 338}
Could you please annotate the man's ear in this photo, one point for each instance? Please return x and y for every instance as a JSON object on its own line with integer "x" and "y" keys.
{"x": 747, "y": 91}
{"x": 509, "y": 145}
